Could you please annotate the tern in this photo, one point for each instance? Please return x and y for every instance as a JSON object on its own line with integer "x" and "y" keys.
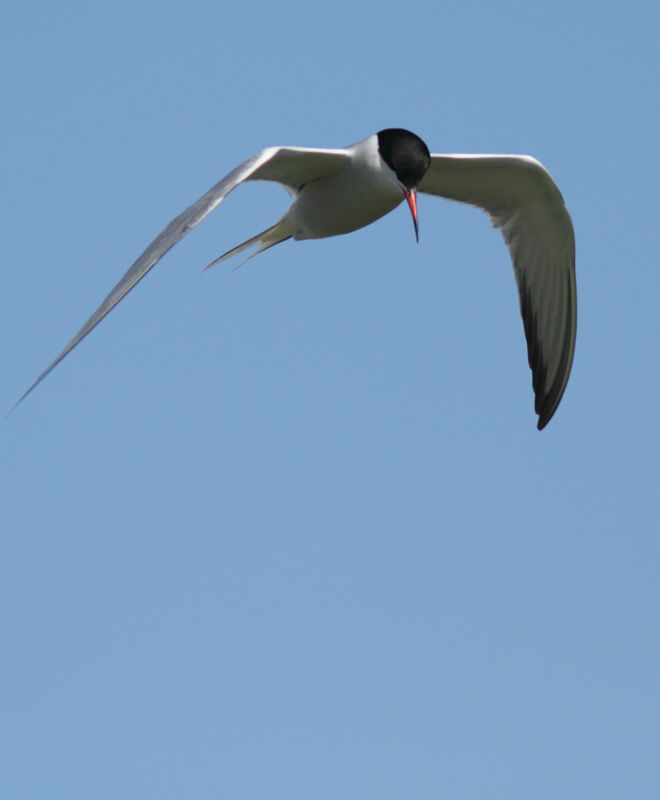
{"x": 336, "y": 191}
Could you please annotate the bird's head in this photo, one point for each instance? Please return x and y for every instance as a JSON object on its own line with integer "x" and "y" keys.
{"x": 409, "y": 158}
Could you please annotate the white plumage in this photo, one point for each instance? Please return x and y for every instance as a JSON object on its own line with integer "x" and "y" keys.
{"x": 339, "y": 191}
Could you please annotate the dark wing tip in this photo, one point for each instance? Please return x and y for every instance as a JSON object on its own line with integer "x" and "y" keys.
{"x": 544, "y": 419}
{"x": 548, "y": 389}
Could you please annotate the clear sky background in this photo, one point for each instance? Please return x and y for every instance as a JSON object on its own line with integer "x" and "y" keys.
{"x": 291, "y": 531}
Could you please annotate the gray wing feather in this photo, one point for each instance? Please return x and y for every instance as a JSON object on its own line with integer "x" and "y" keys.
{"x": 524, "y": 202}
{"x": 290, "y": 166}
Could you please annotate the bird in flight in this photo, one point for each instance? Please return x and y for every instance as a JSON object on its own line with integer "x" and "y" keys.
{"x": 338, "y": 191}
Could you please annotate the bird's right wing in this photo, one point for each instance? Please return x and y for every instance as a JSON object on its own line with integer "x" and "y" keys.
{"x": 523, "y": 201}
{"x": 290, "y": 166}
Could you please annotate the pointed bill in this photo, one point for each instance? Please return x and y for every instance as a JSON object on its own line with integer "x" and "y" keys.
{"x": 411, "y": 197}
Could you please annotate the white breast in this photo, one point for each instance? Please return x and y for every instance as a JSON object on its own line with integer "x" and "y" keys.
{"x": 365, "y": 190}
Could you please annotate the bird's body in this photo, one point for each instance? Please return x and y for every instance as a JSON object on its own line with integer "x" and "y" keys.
{"x": 334, "y": 192}
{"x": 338, "y": 191}
{"x": 360, "y": 192}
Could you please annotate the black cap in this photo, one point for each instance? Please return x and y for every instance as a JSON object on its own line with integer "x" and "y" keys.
{"x": 405, "y": 153}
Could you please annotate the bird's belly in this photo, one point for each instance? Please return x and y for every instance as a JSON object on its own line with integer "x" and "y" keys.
{"x": 332, "y": 206}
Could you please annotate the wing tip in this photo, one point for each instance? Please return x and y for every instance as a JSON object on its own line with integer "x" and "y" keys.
{"x": 547, "y": 404}
{"x": 543, "y": 421}
{"x": 22, "y": 397}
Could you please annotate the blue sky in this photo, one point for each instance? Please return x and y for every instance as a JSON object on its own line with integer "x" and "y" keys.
{"x": 291, "y": 531}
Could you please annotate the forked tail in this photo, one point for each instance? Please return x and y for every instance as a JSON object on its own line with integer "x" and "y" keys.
{"x": 271, "y": 236}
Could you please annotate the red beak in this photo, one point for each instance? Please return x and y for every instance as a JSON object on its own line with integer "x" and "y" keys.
{"x": 411, "y": 197}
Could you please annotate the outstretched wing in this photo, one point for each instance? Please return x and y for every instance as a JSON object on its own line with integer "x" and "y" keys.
{"x": 290, "y": 166}
{"x": 523, "y": 201}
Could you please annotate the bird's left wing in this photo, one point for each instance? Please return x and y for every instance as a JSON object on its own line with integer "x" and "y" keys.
{"x": 524, "y": 202}
{"x": 290, "y": 166}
